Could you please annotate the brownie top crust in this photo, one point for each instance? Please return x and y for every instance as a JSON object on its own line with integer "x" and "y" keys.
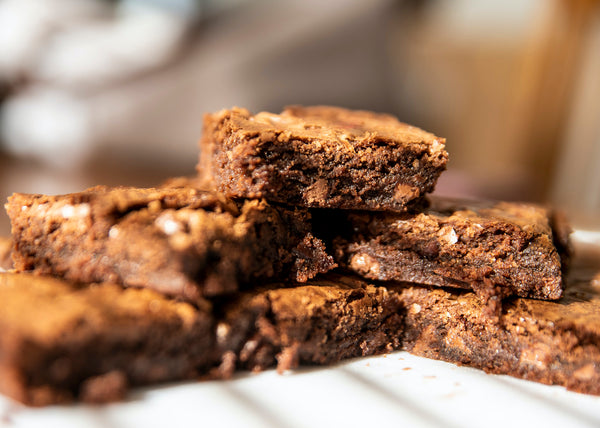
{"x": 336, "y": 128}
{"x": 60, "y": 306}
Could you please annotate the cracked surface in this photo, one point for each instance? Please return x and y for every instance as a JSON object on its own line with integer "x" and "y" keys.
{"x": 320, "y": 157}
{"x": 497, "y": 249}
{"x": 177, "y": 240}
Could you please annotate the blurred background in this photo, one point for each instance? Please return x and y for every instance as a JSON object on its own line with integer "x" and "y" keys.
{"x": 113, "y": 92}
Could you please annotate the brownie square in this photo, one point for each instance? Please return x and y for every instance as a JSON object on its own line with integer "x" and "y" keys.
{"x": 177, "y": 240}
{"x": 322, "y": 322}
{"x": 555, "y": 343}
{"x": 320, "y": 157}
{"x": 62, "y": 342}
{"x": 495, "y": 248}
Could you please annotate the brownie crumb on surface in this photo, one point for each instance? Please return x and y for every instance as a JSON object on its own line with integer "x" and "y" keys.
{"x": 326, "y": 157}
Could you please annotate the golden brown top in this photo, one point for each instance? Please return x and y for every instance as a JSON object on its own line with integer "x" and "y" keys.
{"x": 335, "y": 128}
{"x": 48, "y": 310}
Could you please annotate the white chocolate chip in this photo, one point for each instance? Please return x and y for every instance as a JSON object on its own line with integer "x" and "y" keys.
{"x": 113, "y": 232}
{"x": 75, "y": 211}
{"x": 166, "y": 223}
{"x": 415, "y": 308}
{"x": 365, "y": 264}
{"x": 448, "y": 234}
{"x": 222, "y": 332}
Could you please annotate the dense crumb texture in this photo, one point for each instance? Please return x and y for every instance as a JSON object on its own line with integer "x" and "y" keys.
{"x": 61, "y": 342}
{"x": 6, "y": 244}
{"x": 549, "y": 342}
{"x": 177, "y": 240}
{"x": 497, "y": 249}
{"x": 319, "y": 323}
{"x": 320, "y": 157}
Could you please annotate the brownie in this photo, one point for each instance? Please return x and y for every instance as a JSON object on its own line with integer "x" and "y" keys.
{"x": 62, "y": 342}
{"x": 320, "y": 323}
{"x": 320, "y": 157}
{"x": 495, "y": 248}
{"x": 177, "y": 240}
{"x": 5, "y": 253}
{"x": 555, "y": 343}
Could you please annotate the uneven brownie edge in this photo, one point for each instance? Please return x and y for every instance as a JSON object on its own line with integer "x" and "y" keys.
{"x": 61, "y": 342}
{"x": 92, "y": 342}
{"x": 6, "y": 244}
{"x": 496, "y": 248}
{"x": 323, "y": 157}
{"x": 177, "y": 240}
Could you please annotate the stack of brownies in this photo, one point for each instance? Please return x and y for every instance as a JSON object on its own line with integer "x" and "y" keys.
{"x": 306, "y": 238}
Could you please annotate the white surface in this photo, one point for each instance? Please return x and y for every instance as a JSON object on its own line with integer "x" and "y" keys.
{"x": 394, "y": 390}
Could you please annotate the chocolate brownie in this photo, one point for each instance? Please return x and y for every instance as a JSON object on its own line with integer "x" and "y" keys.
{"x": 5, "y": 253}
{"x": 177, "y": 240}
{"x": 62, "y": 342}
{"x": 496, "y": 248}
{"x": 320, "y": 157}
{"x": 549, "y": 342}
{"x": 319, "y": 323}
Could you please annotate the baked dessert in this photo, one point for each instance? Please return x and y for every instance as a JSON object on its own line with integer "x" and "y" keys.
{"x": 320, "y": 157}
{"x": 555, "y": 343}
{"x": 61, "y": 342}
{"x": 322, "y": 322}
{"x": 91, "y": 342}
{"x": 177, "y": 240}
{"x": 5, "y": 253}
{"x": 495, "y": 248}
